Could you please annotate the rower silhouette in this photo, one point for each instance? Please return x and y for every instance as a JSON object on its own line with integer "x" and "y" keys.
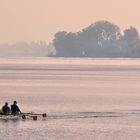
{"x": 15, "y": 109}
{"x": 6, "y": 109}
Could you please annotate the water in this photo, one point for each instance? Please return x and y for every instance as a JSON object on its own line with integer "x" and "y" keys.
{"x": 85, "y": 99}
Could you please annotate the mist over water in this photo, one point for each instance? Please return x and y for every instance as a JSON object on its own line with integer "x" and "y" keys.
{"x": 84, "y": 98}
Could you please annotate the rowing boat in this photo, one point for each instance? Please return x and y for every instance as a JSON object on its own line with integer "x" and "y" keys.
{"x": 23, "y": 116}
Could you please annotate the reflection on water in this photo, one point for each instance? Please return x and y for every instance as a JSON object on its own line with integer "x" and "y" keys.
{"x": 84, "y": 98}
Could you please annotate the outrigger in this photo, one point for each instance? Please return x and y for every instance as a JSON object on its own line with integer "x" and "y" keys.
{"x": 23, "y": 116}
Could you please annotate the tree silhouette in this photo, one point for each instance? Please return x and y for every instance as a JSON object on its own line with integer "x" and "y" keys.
{"x": 101, "y": 39}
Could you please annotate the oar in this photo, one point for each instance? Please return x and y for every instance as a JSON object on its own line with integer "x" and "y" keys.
{"x": 28, "y": 114}
{"x": 43, "y": 115}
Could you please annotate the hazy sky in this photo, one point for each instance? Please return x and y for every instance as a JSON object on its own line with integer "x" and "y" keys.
{"x": 33, "y": 20}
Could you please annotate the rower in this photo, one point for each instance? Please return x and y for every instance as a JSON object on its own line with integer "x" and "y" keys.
{"x": 15, "y": 109}
{"x": 6, "y": 109}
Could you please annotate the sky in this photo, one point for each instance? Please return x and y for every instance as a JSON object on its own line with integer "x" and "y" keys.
{"x": 34, "y": 20}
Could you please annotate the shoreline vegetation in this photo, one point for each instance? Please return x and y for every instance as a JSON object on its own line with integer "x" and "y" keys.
{"x": 102, "y": 39}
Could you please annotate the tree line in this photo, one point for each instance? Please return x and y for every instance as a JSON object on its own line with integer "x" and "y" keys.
{"x": 101, "y": 39}
{"x": 24, "y": 49}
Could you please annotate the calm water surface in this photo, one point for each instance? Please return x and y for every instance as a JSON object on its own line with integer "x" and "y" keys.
{"x": 85, "y": 99}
